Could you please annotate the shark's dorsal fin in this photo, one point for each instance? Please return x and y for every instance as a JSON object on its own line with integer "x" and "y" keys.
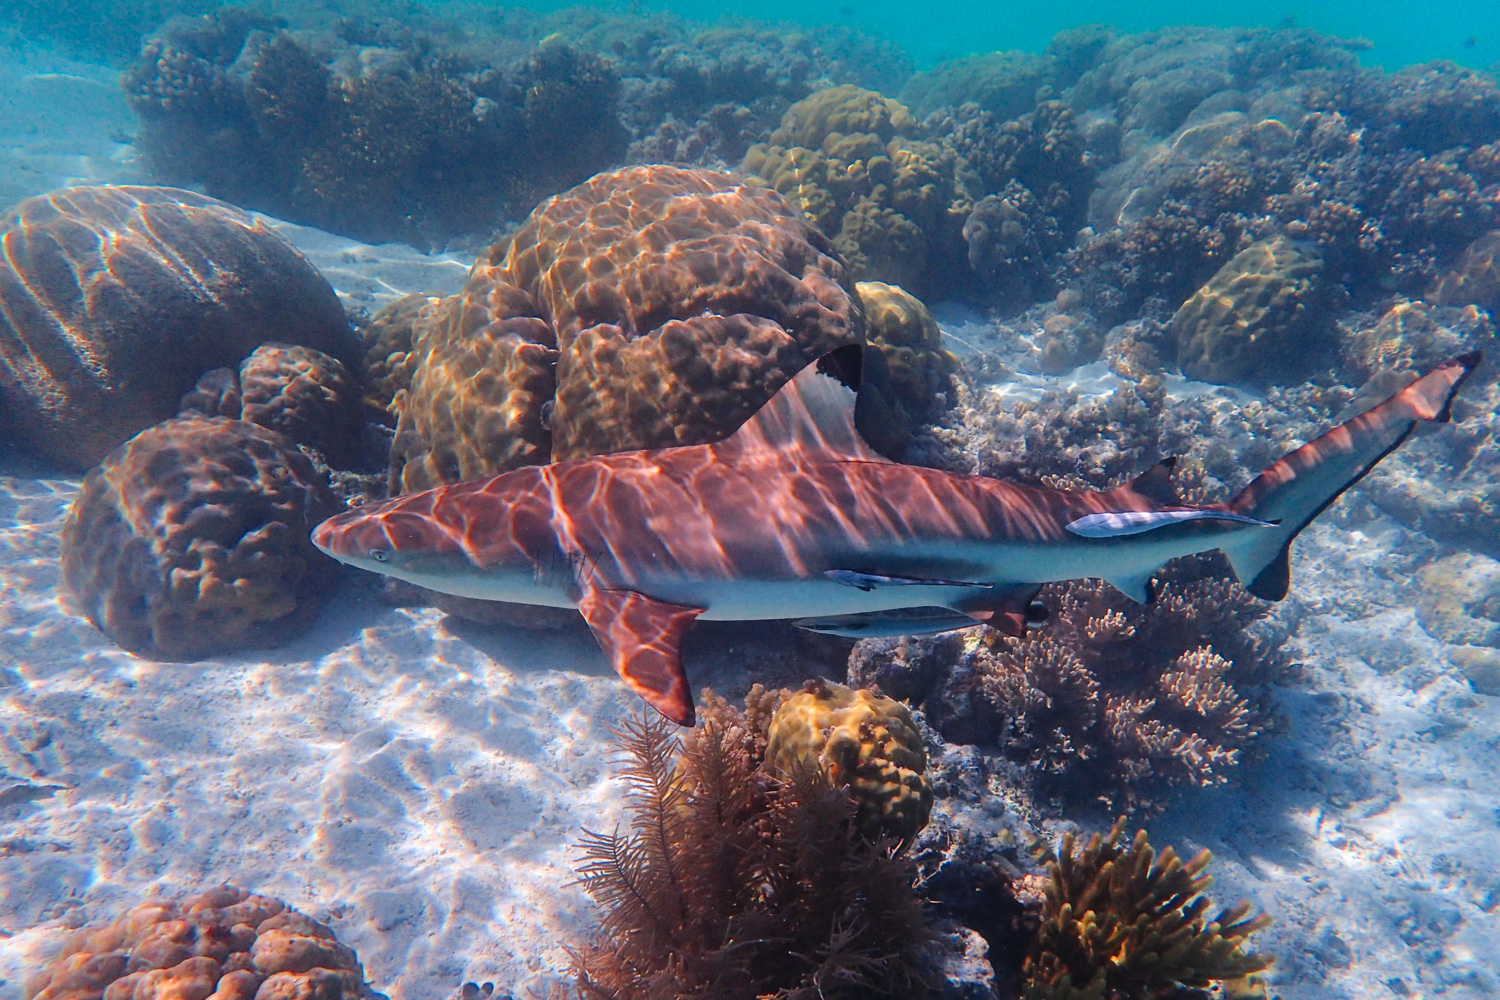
{"x": 1155, "y": 484}
{"x": 814, "y": 413}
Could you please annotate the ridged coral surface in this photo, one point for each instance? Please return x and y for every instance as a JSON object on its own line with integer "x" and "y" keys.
{"x": 673, "y": 302}
{"x": 223, "y": 944}
{"x": 192, "y": 539}
{"x": 113, "y": 300}
{"x": 862, "y": 741}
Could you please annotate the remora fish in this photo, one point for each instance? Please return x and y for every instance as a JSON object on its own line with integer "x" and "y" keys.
{"x": 794, "y": 516}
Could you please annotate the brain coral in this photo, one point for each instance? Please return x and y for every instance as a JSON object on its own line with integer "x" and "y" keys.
{"x": 862, "y": 741}
{"x": 305, "y": 395}
{"x": 223, "y": 944}
{"x": 191, "y": 539}
{"x": 895, "y": 204}
{"x": 113, "y": 300}
{"x": 1251, "y": 321}
{"x": 674, "y": 302}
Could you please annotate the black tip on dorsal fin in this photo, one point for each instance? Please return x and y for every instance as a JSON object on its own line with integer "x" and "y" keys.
{"x": 1155, "y": 484}
{"x": 1272, "y": 583}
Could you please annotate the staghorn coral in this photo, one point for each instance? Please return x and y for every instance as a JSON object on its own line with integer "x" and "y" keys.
{"x": 225, "y": 943}
{"x": 676, "y": 313}
{"x": 1255, "y": 319}
{"x": 1124, "y": 921}
{"x": 1110, "y": 699}
{"x": 911, "y": 375}
{"x": 861, "y": 741}
{"x": 114, "y": 300}
{"x": 894, "y": 203}
{"x": 735, "y": 884}
{"x": 191, "y": 539}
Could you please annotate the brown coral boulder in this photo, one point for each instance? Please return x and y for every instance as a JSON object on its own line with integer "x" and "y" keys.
{"x": 1475, "y": 279}
{"x": 208, "y": 946}
{"x": 907, "y": 373}
{"x": 1458, "y": 599}
{"x": 664, "y": 304}
{"x": 304, "y": 394}
{"x": 1251, "y": 321}
{"x": 862, "y": 741}
{"x": 113, "y": 300}
{"x": 191, "y": 539}
{"x": 386, "y": 367}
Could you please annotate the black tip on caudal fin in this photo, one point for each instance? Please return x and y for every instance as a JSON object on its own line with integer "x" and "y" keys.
{"x": 1301, "y": 485}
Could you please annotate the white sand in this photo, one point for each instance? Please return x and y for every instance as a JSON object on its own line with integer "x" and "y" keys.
{"x": 419, "y": 784}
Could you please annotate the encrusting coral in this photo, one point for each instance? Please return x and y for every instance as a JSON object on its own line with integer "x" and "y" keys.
{"x": 191, "y": 539}
{"x": 909, "y": 374}
{"x": 1124, "y": 922}
{"x": 223, "y": 944}
{"x": 114, "y": 300}
{"x": 737, "y": 884}
{"x": 1109, "y": 699}
{"x": 893, "y": 203}
{"x": 862, "y": 741}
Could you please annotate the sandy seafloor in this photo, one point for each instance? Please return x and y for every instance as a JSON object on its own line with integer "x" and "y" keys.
{"x": 419, "y": 784}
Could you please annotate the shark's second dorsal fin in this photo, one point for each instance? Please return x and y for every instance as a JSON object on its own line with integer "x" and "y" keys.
{"x": 813, "y": 413}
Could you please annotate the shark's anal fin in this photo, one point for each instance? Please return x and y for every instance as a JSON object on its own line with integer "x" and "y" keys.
{"x": 1006, "y": 609}
{"x": 643, "y": 639}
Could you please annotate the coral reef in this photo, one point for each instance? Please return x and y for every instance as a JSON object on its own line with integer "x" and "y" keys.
{"x": 375, "y": 134}
{"x": 1111, "y": 699}
{"x": 388, "y": 362}
{"x": 191, "y": 539}
{"x": 224, "y": 943}
{"x": 911, "y": 377}
{"x": 735, "y": 884}
{"x": 114, "y": 300}
{"x": 861, "y": 741}
{"x": 1004, "y": 84}
{"x": 894, "y": 203}
{"x": 671, "y": 318}
{"x": 1475, "y": 279}
{"x": 1124, "y": 921}
{"x": 1256, "y": 319}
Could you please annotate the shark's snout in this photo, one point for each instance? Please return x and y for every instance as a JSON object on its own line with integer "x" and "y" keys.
{"x": 381, "y": 536}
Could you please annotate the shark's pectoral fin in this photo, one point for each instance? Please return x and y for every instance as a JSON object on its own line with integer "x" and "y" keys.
{"x": 643, "y": 639}
{"x": 1138, "y": 588}
{"x": 1006, "y": 609}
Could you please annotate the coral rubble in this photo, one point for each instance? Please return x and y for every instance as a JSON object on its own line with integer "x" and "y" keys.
{"x": 114, "y": 300}
{"x": 191, "y": 539}
{"x": 737, "y": 884}
{"x": 224, "y": 943}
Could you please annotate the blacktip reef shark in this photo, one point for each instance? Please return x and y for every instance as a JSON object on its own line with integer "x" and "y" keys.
{"x": 795, "y": 516}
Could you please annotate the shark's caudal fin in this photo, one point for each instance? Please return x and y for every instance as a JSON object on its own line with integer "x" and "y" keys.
{"x": 1297, "y": 488}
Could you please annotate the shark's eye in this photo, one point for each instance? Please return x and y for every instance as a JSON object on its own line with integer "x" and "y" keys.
{"x": 380, "y": 555}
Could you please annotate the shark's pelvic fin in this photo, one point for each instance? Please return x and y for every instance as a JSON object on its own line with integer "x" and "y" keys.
{"x": 899, "y": 621}
{"x": 643, "y": 639}
{"x": 1140, "y": 588}
{"x": 1005, "y": 609}
{"x": 1297, "y": 488}
{"x": 813, "y": 413}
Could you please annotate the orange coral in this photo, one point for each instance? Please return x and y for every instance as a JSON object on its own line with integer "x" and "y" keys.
{"x": 223, "y": 944}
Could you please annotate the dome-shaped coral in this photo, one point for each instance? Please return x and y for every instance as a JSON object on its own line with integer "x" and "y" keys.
{"x": 113, "y": 300}
{"x": 388, "y": 361}
{"x": 191, "y": 539}
{"x": 305, "y": 395}
{"x": 912, "y": 370}
{"x": 861, "y": 740}
{"x": 223, "y": 944}
{"x": 1250, "y": 320}
{"x": 673, "y": 302}
{"x": 893, "y": 203}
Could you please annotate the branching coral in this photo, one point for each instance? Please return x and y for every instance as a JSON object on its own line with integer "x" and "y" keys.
{"x": 1109, "y": 699}
{"x": 737, "y": 885}
{"x": 1122, "y": 922}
